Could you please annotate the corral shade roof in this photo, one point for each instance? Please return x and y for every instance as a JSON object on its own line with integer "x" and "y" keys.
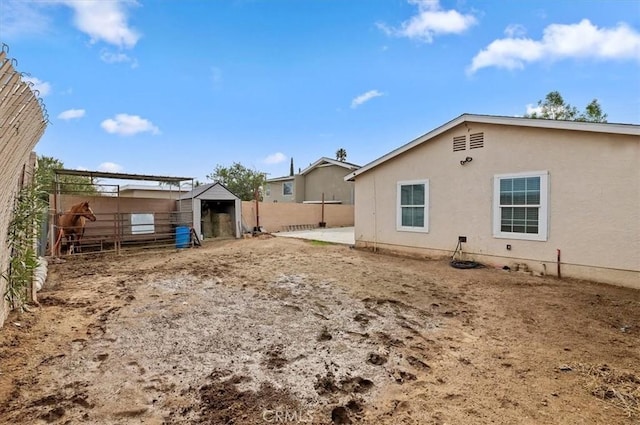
{"x": 121, "y": 176}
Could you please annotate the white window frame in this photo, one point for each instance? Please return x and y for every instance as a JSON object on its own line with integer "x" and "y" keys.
{"x": 267, "y": 190}
{"x": 543, "y": 212}
{"x": 399, "y": 226}
{"x": 283, "y": 185}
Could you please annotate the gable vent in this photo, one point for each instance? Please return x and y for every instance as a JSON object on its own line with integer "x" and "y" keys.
{"x": 459, "y": 143}
{"x": 476, "y": 141}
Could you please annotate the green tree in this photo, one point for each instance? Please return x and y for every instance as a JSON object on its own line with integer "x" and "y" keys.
{"x": 554, "y": 107}
{"x": 593, "y": 113}
{"x": 240, "y": 180}
{"x": 68, "y": 184}
{"x": 341, "y": 155}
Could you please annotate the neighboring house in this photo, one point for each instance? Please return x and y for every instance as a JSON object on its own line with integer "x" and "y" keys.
{"x": 323, "y": 176}
{"x": 522, "y": 191}
{"x": 148, "y": 191}
{"x": 216, "y": 211}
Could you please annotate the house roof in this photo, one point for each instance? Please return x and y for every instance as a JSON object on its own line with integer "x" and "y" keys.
{"x": 197, "y": 191}
{"x": 319, "y": 163}
{"x": 280, "y": 179}
{"x": 611, "y": 128}
{"x": 328, "y": 161}
{"x": 154, "y": 188}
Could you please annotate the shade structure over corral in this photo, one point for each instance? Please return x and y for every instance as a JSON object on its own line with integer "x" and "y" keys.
{"x": 123, "y": 221}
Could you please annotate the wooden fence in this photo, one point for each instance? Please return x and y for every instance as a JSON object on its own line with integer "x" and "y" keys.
{"x": 22, "y": 122}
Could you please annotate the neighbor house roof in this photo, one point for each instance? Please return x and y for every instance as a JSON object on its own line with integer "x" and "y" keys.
{"x": 149, "y": 187}
{"x": 322, "y": 162}
{"x": 328, "y": 161}
{"x": 280, "y": 179}
{"x": 611, "y": 128}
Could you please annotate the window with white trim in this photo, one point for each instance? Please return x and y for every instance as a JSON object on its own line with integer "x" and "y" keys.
{"x": 267, "y": 190}
{"x": 520, "y": 205}
{"x": 287, "y": 188}
{"x": 413, "y": 206}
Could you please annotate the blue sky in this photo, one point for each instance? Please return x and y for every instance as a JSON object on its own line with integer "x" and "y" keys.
{"x": 175, "y": 87}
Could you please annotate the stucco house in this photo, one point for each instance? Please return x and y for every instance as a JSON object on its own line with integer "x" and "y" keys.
{"x": 323, "y": 176}
{"x": 524, "y": 192}
{"x": 148, "y": 191}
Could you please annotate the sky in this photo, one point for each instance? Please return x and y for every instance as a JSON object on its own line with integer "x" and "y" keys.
{"x": 177, "y": 87}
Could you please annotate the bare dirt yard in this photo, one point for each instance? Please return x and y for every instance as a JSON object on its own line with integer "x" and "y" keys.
{"x": 275, "y": 330}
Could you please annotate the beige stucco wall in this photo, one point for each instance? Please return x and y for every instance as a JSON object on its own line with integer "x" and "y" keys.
{"x": 330, "y": 180}
{"x": 594, "y": 200}
{"x": 275, "y": 192}
{"x": 275, "y": 217}
{"x": 309, "y": 187}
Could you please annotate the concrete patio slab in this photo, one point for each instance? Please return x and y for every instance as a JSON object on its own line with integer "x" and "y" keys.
{"x": 339, "y": 235}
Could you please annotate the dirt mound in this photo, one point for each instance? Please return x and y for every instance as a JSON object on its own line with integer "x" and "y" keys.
{"x": 222, "y": 402}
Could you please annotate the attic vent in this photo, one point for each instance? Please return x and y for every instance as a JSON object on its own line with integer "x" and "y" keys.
{"x": 459, "y": 143}
{"x": 476, "y": 141}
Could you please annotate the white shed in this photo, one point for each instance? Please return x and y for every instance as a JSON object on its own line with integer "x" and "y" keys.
{"x": 216, "y": 211}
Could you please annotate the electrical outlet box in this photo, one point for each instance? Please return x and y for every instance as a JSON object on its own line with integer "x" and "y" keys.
{"x": 508, "y": 247}
{"x": 462, "y": 238}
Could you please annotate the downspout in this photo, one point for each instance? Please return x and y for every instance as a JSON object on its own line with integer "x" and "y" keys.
{"x": 375, "y": 217}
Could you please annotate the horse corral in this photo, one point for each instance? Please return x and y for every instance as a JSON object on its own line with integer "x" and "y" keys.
{"x": 116, "y": 223}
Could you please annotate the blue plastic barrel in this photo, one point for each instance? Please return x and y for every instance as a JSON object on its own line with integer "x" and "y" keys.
{"x": 182, "y": 237}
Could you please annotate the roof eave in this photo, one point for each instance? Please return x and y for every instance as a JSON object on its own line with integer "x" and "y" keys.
{"x": 612, "y": 128}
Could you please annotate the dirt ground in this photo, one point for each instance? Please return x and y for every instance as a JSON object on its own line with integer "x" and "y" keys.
{"x": 275, "y": 330}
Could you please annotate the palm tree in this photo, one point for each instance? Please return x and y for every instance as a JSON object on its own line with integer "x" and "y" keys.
{"x": 341, "y": 155}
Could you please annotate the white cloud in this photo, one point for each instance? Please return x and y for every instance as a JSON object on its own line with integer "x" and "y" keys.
{"x": 531, "y": 109}
{"x": 105, "y": 21}
{"x": 71, "y": 114}
{"x": 43, "y": 87}
{"x": 110, "y": 167}
{"x": 118, "y": 57}
{"x": 365, "y": 97}
{"x": 515, "y": 30}
{"x": 275, "y": 158}
{"x": 128, "y": 125}
{"x": 431, "y": 21}
{"x": 581, "y": 40}
{"x": 19, "y": 17}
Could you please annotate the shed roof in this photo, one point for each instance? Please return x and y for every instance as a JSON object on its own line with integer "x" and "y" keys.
{"x": 210, "y": 191}
{"x": 611, "y": 128}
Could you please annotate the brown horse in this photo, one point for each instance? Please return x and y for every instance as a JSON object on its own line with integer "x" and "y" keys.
{"x": 71, "y": 226}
